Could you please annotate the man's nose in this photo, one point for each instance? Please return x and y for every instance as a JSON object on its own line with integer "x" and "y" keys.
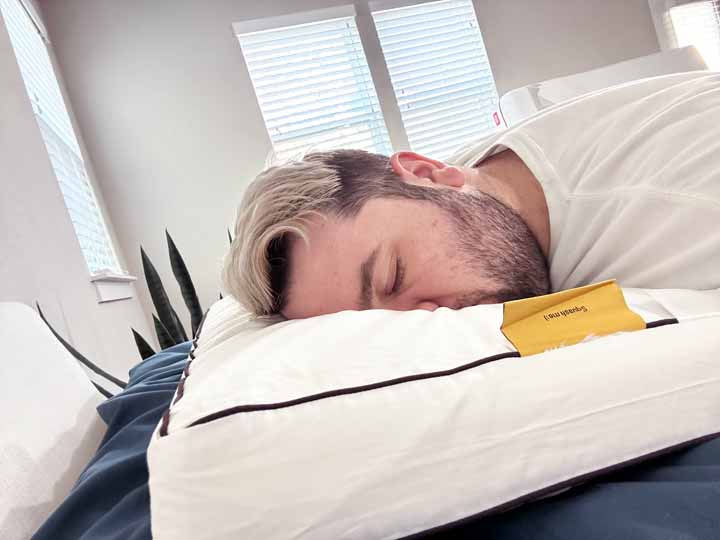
{"x": 409, "y": 304}
{"x": 427, "y": 305}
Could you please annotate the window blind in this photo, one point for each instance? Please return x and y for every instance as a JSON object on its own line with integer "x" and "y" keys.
{"x": 314, "y": 88}
{"x": 698, "y": 24}
{"x": 59, "y": 137}
{"x": 440, "y": 73}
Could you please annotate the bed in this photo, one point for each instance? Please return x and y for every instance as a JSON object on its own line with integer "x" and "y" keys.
{"x": 69, "y": 473}
{"x": 672, "y": 495}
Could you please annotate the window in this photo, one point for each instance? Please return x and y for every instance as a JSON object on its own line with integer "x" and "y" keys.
{"x": 440, "y": 73}
{"x": 57, "y": 132}
{"x": 315, "y": 89}
{"x": 698, "y": 24}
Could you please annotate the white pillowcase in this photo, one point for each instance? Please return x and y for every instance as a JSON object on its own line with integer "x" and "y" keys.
{"x": 382, "y": 424}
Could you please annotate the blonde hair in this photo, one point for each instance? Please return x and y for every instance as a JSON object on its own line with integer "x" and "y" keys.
{"x": 277, "y": 204}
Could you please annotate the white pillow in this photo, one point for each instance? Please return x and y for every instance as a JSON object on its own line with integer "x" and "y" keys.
{"x": 382, "y": 424}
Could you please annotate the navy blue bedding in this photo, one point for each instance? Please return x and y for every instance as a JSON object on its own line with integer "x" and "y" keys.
{"x": 675, "y": 497}
{"x": 110, "y": 500}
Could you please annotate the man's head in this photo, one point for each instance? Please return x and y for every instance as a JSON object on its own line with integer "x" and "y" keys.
{"x": 348, "y": 229}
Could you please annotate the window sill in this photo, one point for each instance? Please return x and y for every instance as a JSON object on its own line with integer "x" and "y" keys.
{"x": 111, "y": 287}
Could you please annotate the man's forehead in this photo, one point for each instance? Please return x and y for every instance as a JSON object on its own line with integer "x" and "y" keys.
{"x": 322, "y": 268}
{"x": 325, "y": 271}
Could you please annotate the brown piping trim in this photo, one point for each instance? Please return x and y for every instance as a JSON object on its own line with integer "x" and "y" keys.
{"x": 238, "y": 409}
{"x": 364, "y": 388}
{"x": 661, "y": 322}
{"x": 199, "y": 328}
{"x": 180, "y": 390}
{"x": 529, "y": 497}
{"x": 350, "y": 390}
{"x": 165, "y": 422}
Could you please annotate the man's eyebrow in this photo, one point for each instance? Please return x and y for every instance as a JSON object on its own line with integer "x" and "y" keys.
{"x": 367, "y": 269}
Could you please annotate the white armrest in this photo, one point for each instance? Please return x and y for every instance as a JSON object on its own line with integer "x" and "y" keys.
{"x": 521, "y": 103}
{"x": 50, "y": 427}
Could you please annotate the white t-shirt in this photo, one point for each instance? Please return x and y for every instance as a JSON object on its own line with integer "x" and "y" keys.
{"x": 631, "y": 175}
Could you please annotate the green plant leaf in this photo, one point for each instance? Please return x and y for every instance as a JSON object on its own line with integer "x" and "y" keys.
{"x": 79, "y": 357}
{"x": 180, "y": 325}
{"x": 160, "y": 299}
{"x": 164, "y": 338}
{"x": 102, "y": 390}
{"x": 187, "y": 288}
{"x": 144, "y": 348}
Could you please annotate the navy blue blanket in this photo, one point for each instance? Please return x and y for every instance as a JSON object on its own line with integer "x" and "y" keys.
{"x": 111, "y": 500}
{"x": 676, "y": 497}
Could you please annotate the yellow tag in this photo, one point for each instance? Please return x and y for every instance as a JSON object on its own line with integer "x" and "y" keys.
{"x": 537, "y": 324}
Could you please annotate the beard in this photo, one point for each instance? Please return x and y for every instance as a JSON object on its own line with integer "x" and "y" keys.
{"x": 496, "y": 244}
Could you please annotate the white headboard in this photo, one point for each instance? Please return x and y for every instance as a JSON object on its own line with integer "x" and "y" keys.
{"x": 521, "y": 103}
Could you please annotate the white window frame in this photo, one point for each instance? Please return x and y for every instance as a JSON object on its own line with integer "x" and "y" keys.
{"x": 377, "y": 8}
{"x": 660, "y": 11}
{"x": 113, "y": 283}
{"x": 297, "y": 19}
{"x": 371, "y": 46}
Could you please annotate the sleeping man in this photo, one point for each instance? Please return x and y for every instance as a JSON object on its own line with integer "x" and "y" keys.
{"x": 623, "y": 183}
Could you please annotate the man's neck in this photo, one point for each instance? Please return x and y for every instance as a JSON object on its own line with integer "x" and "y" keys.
{"x": 507, "y": 178}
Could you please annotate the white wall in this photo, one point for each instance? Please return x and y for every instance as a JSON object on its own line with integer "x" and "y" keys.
{"x": 41, "y": 257}
{"x": 533, "y": 40}
{"x": 170, "y": 119}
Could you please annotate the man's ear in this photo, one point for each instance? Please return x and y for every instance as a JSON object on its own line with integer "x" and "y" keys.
{"x": 417, "y": 169}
